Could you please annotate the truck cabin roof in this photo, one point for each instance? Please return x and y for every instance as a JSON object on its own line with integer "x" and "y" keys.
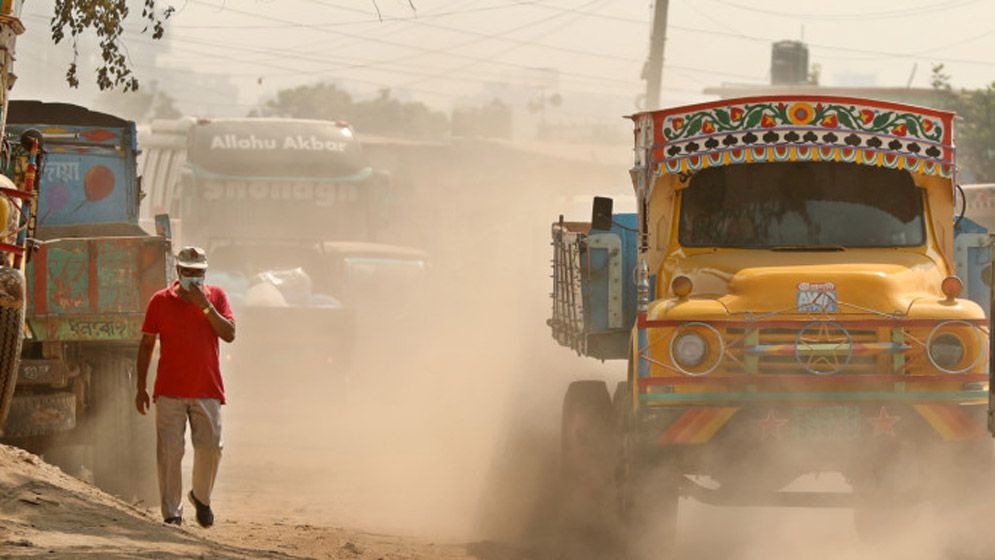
{"x": 780, "y": 128}
{"x": 41, "y": 112}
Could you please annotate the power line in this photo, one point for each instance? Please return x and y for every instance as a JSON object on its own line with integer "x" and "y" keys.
{"x": 504, "y": 51}
{"x": 864, "y": 16}
{"x": 481, "y": 36}
{"x": 418, "y": 18}
{"x": 499, "y": 37}
{"x": 422, "y": 50}
{"x": 768, "y": 40}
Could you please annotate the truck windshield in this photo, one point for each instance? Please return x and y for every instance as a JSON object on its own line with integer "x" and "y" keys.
{"x": 801, "y": 205}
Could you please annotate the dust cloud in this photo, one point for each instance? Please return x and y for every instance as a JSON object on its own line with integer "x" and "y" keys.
{"x": 445, "y": 425}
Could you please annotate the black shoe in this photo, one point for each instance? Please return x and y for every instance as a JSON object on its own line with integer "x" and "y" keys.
{"x": 174, "y": 520}
{"x": 204, "y": 514}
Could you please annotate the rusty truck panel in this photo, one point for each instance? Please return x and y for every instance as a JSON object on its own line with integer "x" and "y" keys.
{"x": 94, "y": 289}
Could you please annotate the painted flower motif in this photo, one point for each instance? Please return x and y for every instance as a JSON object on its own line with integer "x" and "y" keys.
{"x": 736, "y": 113}
{"x": 927, "y": 125}
{"x": 900, "y": 130}
{"x": 800, "y": 113}
{"x": 677, "y": 123}
{"x": 830, "y": 121}
{"x": 707, "y": 127}
{"x": 866, "y": 116}
{"x": 767, "y": 121}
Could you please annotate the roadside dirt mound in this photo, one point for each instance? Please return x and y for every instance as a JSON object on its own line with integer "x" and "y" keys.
{"x": 45, "y": 511}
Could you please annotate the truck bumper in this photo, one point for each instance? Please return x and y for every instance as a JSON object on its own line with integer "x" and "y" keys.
{"x": 785, "y": 423}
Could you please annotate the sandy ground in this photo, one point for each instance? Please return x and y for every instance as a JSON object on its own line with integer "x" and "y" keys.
{"x": 45, "y": 512}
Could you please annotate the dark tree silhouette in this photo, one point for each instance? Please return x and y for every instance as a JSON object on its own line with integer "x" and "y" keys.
{"x": 71, "y": 18}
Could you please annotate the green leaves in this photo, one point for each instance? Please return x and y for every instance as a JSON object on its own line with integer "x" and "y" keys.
{"x": 106, "y": 18}
{"x": 881, "y": 120}
{"x": 753, "y": 117}
{"x": 722, "y": 117}
{"x": 846, "y": 121}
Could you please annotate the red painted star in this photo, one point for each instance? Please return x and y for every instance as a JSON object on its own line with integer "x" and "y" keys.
{"x": 884, "y": 423}
{"x": 770, "y": 427}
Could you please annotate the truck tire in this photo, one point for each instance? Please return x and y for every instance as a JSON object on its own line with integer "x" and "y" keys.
{"x": 648, "y": 494}
{"x": 11, "y": 333}
{"x": 649, "y": 499}
{"x": 621, "y": 407}
{"x": 587, "y": 466}
{"x": 888, "y": 494}
{"x": 964, "y": 493}
{"x": 38, "y": 415}
{"x": 123, "y": 441}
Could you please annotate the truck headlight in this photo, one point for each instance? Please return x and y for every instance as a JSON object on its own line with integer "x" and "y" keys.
{"x": 690, "y": 349}
{"x": 946, "y": 351}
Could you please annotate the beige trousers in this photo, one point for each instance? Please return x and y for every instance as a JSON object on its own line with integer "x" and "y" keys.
{"x": 171, "y": 415}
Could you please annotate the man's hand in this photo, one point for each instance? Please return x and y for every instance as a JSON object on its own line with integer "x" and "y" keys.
{"x": 142, "y": 401}
{"x": 198, "y": 296}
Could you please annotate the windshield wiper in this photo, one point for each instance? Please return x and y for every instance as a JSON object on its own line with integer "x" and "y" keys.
{"x": 807, "y": 248}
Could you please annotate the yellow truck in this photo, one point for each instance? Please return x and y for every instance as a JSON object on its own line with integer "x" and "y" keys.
{"x": 787, "y": 302}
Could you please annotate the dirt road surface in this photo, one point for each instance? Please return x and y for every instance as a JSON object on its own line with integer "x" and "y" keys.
{"x": 44, "y": 512}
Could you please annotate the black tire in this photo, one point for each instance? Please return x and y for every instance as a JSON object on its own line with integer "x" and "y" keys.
{"x": 963, "y": 494}
{"x": 587, "y": 467}
{"x": 11, "y": 333}
{"x": 889, "y": 493}
{"x": 122, "y": 441}
{"x": 621, "y": 407}
{"x": 39, "y": 415}
{"x": 649, "y": 500}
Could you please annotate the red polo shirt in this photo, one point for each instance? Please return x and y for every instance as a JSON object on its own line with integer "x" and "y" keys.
{"x": 188, "y": 347}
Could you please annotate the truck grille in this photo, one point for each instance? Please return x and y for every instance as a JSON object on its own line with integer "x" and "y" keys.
{"x": 779, "y": 350}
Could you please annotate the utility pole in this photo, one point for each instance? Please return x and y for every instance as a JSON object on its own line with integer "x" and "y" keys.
{"x": 653, "y": 70}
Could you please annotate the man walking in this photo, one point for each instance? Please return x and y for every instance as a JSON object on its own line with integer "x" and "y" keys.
{"x": 188, "y": 317}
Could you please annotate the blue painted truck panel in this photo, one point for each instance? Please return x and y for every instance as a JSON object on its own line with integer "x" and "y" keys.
{"x": 972, "y": 252}
{"x": 594, "y": 305}
{"x": 89, "y": 170}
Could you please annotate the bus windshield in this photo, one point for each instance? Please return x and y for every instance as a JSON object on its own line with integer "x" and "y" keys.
{"x": 801, "y": 205}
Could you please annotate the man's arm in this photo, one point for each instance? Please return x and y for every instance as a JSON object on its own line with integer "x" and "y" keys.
{"x": 221, "y": 325}
{"x": 145, "y": 348}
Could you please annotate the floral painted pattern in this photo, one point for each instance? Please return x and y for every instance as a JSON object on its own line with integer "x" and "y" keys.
{"x": 784, "y": 129}
{"x": 820, "y": 115}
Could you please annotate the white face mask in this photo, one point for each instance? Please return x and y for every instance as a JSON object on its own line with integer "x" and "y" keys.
{"x": 188, "y": 282}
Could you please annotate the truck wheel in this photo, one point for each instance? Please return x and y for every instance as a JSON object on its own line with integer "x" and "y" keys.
{"x": 11, "y": 332}
{"x": 964, "y": 494}
{"x": 38, "y": 415}
{"x": 649, "y": 501}
{"x": 122, "y": 440}
{"x": 888, "y": 496}
{"x": 587, "y": 465}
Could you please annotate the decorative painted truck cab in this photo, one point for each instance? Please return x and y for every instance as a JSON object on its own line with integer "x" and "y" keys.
{"x": 805, "y": 313}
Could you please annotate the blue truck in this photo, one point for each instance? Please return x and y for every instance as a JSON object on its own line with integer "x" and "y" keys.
{"x": 91, "y": 272}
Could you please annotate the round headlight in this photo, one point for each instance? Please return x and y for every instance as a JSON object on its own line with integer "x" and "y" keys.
{"x": 946, "y": 351}
{"x": 690, "y": 349}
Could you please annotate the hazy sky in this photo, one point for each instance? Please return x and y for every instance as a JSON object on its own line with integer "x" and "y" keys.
{"x": 446, "y": 49}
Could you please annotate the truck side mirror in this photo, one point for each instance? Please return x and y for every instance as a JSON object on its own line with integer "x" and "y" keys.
{"x": 601, "y": 214}
{"x": 163, "y": 228}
